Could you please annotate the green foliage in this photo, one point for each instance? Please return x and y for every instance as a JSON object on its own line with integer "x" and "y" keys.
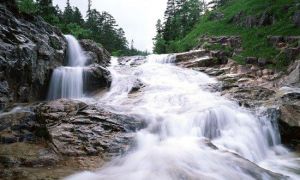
{"x": 254, "y": 40}
{"x": 180, "y": 17}
{"x": 99, "y": 26}
{"x": 27, "y": 6}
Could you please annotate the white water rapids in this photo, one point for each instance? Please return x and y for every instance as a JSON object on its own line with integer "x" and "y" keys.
{"x": 192, "y": 133}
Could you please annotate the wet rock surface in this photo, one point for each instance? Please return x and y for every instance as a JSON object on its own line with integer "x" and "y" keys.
{"x": 29, "y": 51}
{"x": 51, "y": 135}
{"x": 95, "y": 53}
{"x": 96, "y": 77}
{"x": 252, "y": 86}
{"x": 76, "y": 128}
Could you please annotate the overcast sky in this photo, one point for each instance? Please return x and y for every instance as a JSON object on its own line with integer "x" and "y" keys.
{"x": 136, "y": 17}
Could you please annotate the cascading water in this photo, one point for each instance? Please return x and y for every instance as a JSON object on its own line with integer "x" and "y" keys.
{"x": 67, "y": 81}
{"x": 191, "y": 133}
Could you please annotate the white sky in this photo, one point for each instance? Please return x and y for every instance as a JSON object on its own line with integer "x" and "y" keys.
{"x": 136, "y": 17}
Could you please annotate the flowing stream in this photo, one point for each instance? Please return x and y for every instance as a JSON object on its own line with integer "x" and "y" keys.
{"x": 192, "y": 132}
{"x": 67, "y": 81}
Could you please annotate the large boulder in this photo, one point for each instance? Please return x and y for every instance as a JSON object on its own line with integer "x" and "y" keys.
{"x": 186, "y": 56}
{"x": 95, "y": 52}
{"x": 293, "y": 76}
{"x": 63, "y": 135}
{"x": 29, "y": 51}
{"x": 78, "y": 129}
{"x": 96, "y": 77}
{"x": 288, "y": 100}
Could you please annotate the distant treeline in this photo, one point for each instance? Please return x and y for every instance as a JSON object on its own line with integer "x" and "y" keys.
{"x": 98, "y": 26}
{"x": 179, "y": 19}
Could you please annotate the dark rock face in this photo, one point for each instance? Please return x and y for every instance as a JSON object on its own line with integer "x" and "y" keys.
{"x": 263, "y": 19}
{"x": 95, "y": 52}
{"x": 17, "y": 126}
{"x": 251, "y": 60}
{"x": 29, "y": 51}
{"x": 289, "y": 119}
{"x": 95, "y": 78}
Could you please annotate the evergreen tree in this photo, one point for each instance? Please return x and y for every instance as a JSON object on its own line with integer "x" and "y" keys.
{"x": 27, "y": 6}
{"x": 89, "y": 6}
{"x": 180, "y": 17}
{"x": 159, "y": 42}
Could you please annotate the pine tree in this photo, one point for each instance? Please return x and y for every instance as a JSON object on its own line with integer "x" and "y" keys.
{"x": 89, "y": 6}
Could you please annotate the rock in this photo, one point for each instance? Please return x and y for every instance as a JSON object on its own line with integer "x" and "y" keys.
{"x": 293, "y": 77}
{"x": 30, "y": 48}
{"x": 267, "y": 72}
{"x": 296, "y": 18}
{"x": 11, "y": 5}
{"x": 23, "y": 94}
{"x": 138, "y": 85}
{"x": 266, "y": 19}
{"x": 251, "y": 60}
{"x": 250, "y": 96}
{"x": 132, "y": 60}
{"x": 289, "y": 119}
{"x": 292, "y": 53}
{"x": 236, "y": 19}
{"x": 243, "y": 69}
{"x": 216, "y": 16}
{"x": 263, "y": 19}
{"x": 205, "y": 61}
{"x": 94, "y": 50}
{"x": 262, "y": 62}
{"x": 18, "y": 125}
{"x": 250, "y": 22}
{"x": 96, "y": 77}
{"x": 77, "y": 129}
{"x": 274, "y": 40}
{"x": 191, "y": 55}
{"x": 4, "y": 94}
{"x": 221, "y": 56}
{"x": 292, "y": 39}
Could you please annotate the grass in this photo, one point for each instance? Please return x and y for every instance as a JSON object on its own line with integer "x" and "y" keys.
{"x": 254, "y": 40}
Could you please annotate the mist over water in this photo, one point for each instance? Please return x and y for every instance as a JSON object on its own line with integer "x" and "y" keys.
{"x": 191, "y": 132}
{"x": 67, "y": 81}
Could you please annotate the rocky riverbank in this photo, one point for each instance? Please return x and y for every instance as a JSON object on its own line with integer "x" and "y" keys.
{"x": 253, "y": 86}
{"x": 62, "y": 135}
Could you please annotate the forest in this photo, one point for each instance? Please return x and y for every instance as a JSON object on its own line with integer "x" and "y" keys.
{"x": 98, "y": 26}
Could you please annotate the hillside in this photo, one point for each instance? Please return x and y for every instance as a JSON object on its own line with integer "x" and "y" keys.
{"x": 263, "y": 26}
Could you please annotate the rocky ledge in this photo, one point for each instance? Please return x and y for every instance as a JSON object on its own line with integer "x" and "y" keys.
{"x": 54, "y": 134}
{"x": 254, "y": 86}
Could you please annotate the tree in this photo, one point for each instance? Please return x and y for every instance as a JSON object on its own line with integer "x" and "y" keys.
{"x": 77, "y": 17}
{"x": 159, "y": 42}
{"x": 89, "y": 6}
{"x": 27, "y": 6}
{"x": 217, "y": 3}
{"x": 180, "y": 17}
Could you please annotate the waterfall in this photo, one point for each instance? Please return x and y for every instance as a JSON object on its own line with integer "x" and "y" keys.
{"x": 192, "y": 133}
{"x": 67, "y": 81}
